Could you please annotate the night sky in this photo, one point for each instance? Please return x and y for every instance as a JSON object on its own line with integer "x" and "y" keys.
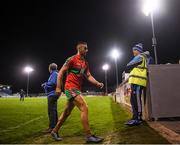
{"x": 40, "y": 32}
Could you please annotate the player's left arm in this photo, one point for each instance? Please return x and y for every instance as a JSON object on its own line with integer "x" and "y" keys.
{"x": 92, "y": 80}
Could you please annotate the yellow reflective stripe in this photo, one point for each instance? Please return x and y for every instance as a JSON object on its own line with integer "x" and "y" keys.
{"x": 140, "y": 77}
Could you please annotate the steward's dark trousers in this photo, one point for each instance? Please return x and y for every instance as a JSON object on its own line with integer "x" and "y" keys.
{"x": 52, "y": 111}
{"x": 136, "y": 102}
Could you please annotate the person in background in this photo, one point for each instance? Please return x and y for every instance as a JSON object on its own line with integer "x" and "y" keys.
{"x": 138, "y": 80}
{"x": 149, "y": 58}
{"x": 52, "y": 98}
{"x": 22, "y": 95}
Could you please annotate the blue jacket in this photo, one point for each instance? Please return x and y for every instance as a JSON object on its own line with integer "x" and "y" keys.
{"x": 133, "y": 63}
{"x": 138, "y": 60}
{"x": 50, "y": 85}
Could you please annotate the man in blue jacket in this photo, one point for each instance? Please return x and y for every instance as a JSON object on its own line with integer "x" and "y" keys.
{"x": 49, "y": 88}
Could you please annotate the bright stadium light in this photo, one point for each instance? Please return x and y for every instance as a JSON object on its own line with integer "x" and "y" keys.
{"x": 105, "y": 67}
{"x": 115, "y": 55}
{"x": 28, "y": 70}
{"x": 150, "y": 6}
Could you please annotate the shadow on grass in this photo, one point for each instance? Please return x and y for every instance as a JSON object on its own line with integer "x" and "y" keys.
{"x": 141, "y": 134}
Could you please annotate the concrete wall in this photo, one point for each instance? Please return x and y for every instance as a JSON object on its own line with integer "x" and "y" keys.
{"x": 162, "y": 97}
{"x": 164, "y": 90}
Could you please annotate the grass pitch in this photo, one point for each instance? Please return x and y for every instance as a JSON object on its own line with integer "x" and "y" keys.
{"x": 23, "y": 122}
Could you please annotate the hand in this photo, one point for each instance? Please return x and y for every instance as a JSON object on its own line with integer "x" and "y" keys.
{"x": 58, "y": 91}
{"x": 43, "y": 85}
{"x": 100, "y": 85}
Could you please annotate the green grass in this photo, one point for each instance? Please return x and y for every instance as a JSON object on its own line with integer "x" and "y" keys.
{"x": 23, "y": 122}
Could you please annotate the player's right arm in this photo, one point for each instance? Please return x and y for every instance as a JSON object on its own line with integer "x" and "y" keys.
{"x": 64, "y": 68}
{"x": 59, "y": 79}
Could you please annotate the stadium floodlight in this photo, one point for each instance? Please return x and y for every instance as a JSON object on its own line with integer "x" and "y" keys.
{"x": 115, "y": 55}
{"x": 149, "y": 7}
{"x": 105, "y": 67}
{"x": 28, "y": 70}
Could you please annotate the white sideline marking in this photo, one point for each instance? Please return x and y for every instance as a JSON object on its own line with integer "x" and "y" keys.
{"x": 22, "y": 124}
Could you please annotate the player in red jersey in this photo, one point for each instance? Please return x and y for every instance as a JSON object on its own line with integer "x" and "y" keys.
{"x": 77, "y": 69}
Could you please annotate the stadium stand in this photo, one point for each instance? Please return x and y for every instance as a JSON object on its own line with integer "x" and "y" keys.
{"x": 5, "y": 90}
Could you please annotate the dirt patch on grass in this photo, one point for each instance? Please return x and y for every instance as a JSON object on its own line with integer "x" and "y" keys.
{"x": 47, "y": 139}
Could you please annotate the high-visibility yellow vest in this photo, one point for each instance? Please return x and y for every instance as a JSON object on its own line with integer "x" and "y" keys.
{"x": 138, "y": 75}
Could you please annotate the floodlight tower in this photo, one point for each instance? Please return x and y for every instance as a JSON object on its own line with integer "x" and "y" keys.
{"x": 105, "y": 67}
{"x": 28, "y": 70}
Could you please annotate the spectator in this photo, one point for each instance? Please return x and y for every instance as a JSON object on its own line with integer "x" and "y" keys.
{"x": 52, "y": 98}
{"x": 138, "y": 80}
{"x": 22, "y": 95}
